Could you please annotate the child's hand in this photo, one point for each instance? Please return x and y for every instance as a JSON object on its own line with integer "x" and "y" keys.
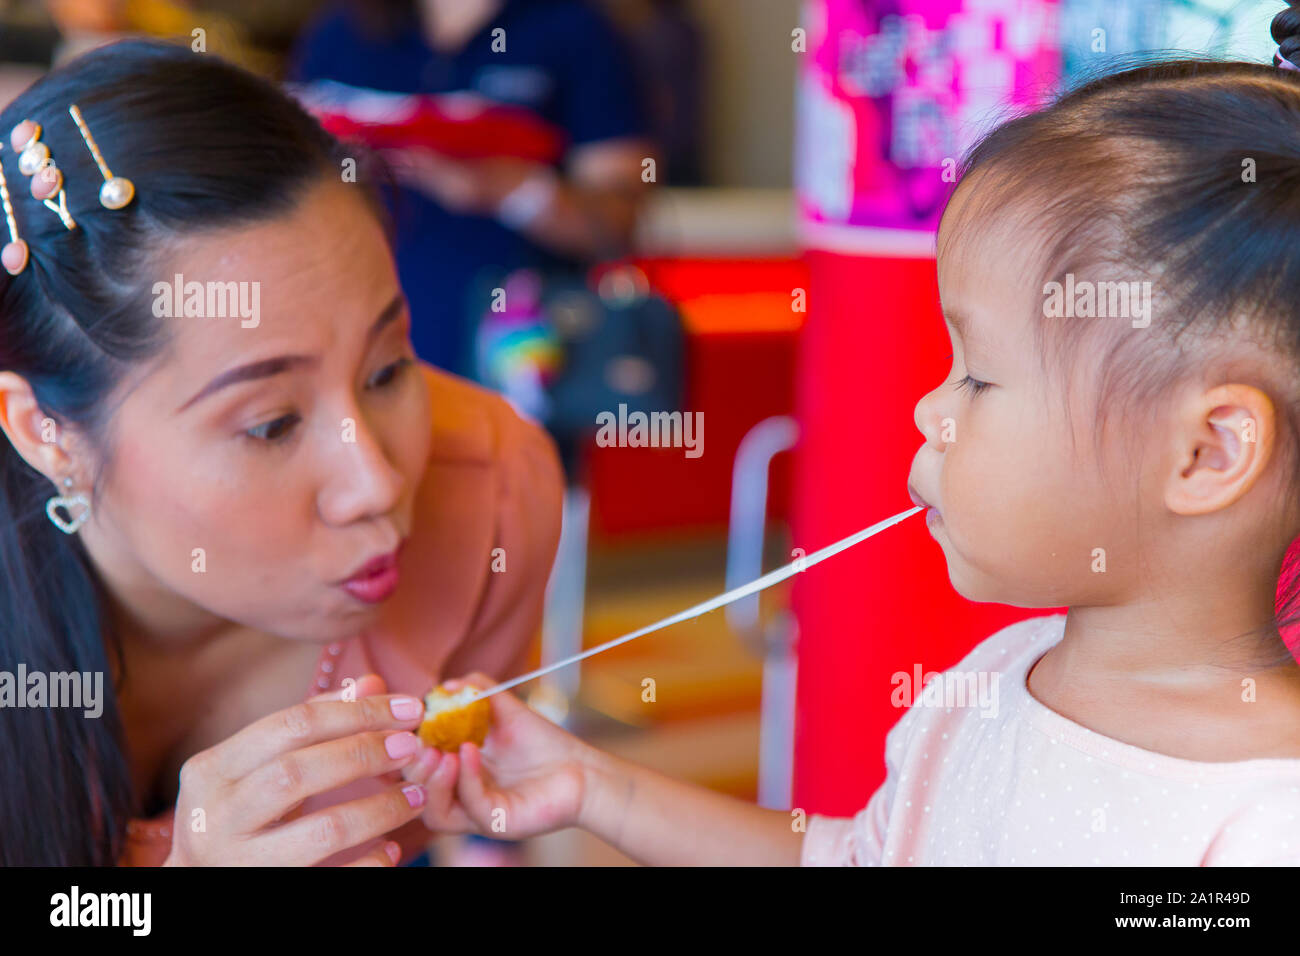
{"x": 437, "y": 772}
{"x": 528, "y": 778}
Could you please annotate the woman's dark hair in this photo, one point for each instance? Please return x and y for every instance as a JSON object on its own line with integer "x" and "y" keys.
{"x": 1186, "y": 170}
{"x": 207, "y": 146}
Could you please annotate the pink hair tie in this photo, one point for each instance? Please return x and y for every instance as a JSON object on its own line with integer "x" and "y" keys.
{"x": 1282, "y": 62}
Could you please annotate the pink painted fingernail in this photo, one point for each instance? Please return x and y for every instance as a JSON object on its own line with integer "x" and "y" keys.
{"x": 405, "y": 708}
{"x": 394, "y": 851}
{"x": 414, "y": 795}
{"x": 401, "y": 745}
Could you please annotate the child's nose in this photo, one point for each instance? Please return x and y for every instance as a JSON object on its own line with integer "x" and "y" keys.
{"x": 928, "y": 419}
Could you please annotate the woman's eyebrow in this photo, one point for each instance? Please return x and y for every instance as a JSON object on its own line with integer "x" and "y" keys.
{"x": 265, "y": 368}
{"x": 389, "y": 313}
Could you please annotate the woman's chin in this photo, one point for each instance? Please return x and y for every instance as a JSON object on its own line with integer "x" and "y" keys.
{"x": 329, "y": 628}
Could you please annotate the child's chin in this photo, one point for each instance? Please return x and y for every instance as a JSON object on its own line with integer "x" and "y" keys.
{"x": 975, "y": 586}
{"x": 966, "y": 577}
{"x": 981, "y": 589}
{"x": 971, "y": 590}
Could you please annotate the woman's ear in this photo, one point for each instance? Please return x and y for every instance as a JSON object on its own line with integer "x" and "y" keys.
{"x": 33, "y": 434}
{"x": 1226, "y": 438}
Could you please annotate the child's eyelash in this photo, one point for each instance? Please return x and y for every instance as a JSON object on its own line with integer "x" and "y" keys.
{"x": 974, "y": 384}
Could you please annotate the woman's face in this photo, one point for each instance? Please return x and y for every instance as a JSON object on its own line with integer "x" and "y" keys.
{"x": 268, "y": 454}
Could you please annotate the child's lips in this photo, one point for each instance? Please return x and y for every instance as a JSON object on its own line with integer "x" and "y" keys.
{"x": 917, "y": 499}
{"x": 932, "y": 513}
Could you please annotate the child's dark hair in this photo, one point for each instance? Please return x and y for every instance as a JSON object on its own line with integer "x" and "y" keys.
{"x": 207, "y": 146}
{"x": 1186, "y": 170}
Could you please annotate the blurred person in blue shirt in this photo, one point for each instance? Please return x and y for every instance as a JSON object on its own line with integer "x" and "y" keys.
{"x": 524, "y": 142}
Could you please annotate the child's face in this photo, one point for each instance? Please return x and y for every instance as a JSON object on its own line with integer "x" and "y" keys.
{"x": 1008, "y": 464}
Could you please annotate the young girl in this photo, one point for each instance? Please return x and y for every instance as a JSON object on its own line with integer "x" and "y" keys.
{"x": 1139, "y": 466}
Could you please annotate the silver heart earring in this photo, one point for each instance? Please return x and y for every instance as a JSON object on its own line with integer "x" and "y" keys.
{"x": 75, "y": 520}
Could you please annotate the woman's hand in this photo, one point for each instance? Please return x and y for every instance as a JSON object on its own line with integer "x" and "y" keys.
{"x": 251, "y": 786}
{"x": 530, "y": 776}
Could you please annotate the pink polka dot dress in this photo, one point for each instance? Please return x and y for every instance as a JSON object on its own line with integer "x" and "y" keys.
{"x": 980, "y": 773}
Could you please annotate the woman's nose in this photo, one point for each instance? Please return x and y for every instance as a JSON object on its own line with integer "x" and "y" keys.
{"x": 366, "y": 483}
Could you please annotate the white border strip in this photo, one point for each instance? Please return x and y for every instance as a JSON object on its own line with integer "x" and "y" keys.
{"x": 864, "y": 240}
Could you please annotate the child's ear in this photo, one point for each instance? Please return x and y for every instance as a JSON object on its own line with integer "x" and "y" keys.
{"x": 1225, "y": 443}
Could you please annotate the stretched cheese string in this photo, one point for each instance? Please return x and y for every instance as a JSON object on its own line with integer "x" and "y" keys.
{"x": 712, "y": 604}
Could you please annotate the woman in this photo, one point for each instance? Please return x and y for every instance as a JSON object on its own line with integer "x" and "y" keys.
{"x": 233, "y": 486}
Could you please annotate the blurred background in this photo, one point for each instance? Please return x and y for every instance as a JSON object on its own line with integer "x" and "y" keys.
{"x": 723, "y": 207}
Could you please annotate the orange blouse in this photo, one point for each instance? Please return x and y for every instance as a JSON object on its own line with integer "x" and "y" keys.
{"x": 493, "y": 481}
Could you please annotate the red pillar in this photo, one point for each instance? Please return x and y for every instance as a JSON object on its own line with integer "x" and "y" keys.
{"x": 891, "y": 94}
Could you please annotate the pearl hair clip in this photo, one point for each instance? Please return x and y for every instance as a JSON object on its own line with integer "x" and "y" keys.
{"x": 117, "y": 191}
{"x": 34, "y": 160}
{"x": 15, "y": 253}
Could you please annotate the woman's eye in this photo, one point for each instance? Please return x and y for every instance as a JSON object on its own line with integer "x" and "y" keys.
{"x": 974, "y": 384}
{"x": 277, "y": 430}
{"x": 273, "y": 431}
{"x": 388, "y": 373}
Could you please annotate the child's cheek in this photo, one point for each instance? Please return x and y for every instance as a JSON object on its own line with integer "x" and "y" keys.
{"x": 998, "y": 496}
{"x": 974, "y": 498}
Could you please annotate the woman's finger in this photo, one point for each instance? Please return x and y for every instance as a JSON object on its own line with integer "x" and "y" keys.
{"x": 309, "y": 723}
{"x": 386, "y": 854}
{"x": 319, "y": 835}
{"x": 287, "y": 780}
{"x": 367, "y": 685}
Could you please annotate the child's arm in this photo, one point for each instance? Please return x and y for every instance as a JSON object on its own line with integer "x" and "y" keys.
{"x": 660, "y": 821}
{"x": 533, "y": 777}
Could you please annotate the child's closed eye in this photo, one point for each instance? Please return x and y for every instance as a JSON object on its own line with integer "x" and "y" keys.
{"x": 974, "y": 384}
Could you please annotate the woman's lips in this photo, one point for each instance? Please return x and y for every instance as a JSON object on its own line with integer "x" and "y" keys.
{"x": 376, "y": 581}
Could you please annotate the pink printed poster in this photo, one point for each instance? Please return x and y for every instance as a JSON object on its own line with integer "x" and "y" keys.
{"x": 892, "y": 93}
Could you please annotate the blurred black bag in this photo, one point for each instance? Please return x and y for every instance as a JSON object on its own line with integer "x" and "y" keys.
{"x": 565, "y": 349}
